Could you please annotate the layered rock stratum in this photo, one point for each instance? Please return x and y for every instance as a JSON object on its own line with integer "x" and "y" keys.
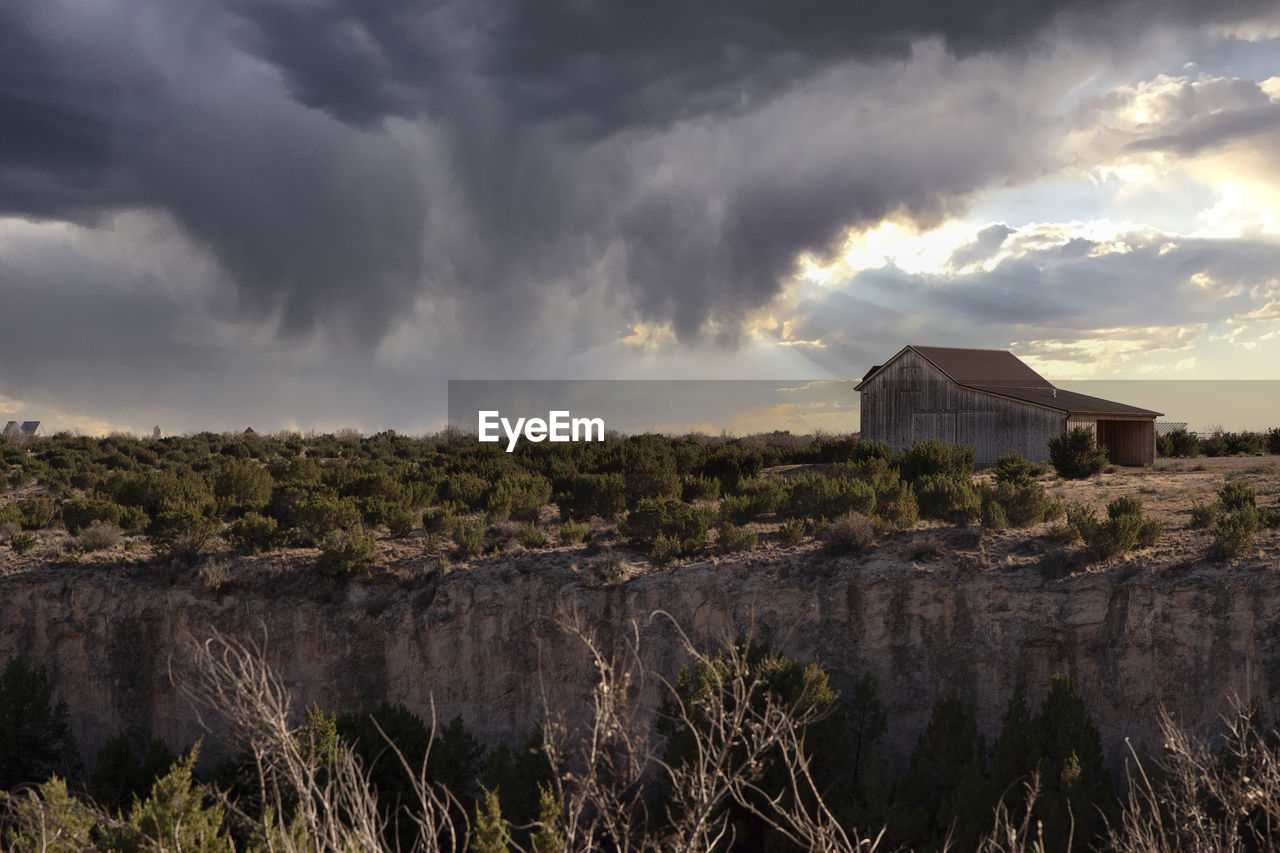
{"x": 489, "y": 642}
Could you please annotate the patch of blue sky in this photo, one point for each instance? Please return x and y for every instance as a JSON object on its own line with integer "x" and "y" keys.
{"x": 1248, "y": 60}
{"x": 1173, "y": 203}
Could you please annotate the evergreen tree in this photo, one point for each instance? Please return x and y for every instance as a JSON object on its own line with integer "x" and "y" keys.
{"x": 173, "y": 817}
{"x": 1010, "y": 761}
{"x": 119, "y": 776}
{"x": 491, "y": 833}
{"x": 944, "y": 791}
{"x": 519, "y": 775}
{"x": 318, "y": 739}
{"x": 48, "y": 820}
{"x": 1064, "y": 748}
{"x": 789, "y": 684}
{"x": 34, "y": 738}
{"x": 548, "y": 838}
{"x": 866, "y": 804}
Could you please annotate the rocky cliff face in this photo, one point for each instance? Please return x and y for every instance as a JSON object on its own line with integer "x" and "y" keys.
{"x": 485, "y": 643}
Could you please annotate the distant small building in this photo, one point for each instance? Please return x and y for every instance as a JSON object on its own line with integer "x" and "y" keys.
{"x": 27, "y": 428}
{"x": 991, "y": 400}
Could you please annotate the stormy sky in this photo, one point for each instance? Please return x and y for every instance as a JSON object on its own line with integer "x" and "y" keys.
{"x": 312, "y": 215}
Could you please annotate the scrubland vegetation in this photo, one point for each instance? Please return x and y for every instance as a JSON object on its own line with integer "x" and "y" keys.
{"x": 1180, "y": 443}
{"x": 187, "y": 500}
{"x": 749, "y": 751}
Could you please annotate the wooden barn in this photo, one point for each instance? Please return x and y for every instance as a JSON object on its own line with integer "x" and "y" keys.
{"x": 992, "y": 401}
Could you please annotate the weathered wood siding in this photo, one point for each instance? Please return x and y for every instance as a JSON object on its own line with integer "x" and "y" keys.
{"x": 911, "y": 400}
{"x": 1129, "y": 441}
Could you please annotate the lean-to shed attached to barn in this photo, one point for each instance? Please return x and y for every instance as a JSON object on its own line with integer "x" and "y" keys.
{"x": 992, "y": 401}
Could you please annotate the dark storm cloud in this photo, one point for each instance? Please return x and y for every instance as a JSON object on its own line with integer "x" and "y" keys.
{"x": 1215, "y": 130}
{"x": 610, "y": 65}
{"x": 341, "y": 159}
{"x": 982, "y": 247}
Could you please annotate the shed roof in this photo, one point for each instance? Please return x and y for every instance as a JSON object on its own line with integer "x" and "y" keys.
{"x": 1000, "y": 372}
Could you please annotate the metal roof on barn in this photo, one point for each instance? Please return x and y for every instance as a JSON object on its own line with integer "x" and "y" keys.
{"x": 1003, "y": 374}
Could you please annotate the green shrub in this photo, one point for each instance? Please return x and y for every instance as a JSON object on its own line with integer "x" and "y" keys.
{"x": 1149, "y": 531}
{"x": 1076, "y": 455}
{"x": 437, "y": 520}
{"x": 791, "y": 531}
{"x": 518, "y": 496}
{"x": 851, "y": 533}
{"x": 1063, "y": 534}
{"x": 573, "y": 532}
{"x": 318, "y": 515}
{"x": 1273, "y": 441}
{"x": 700, "y": 489}
{"x": 1113, "y": 537}
{"x": 531, "y": 537}
{"x": 38, "y": 512}
{"x": 737, "y": 508}
{"x": 242, "y": 484}
{"x": 1124, "y": 528}
{"x": 1024, "y": 502}
{"x": 993, "y": 515}
{"x": 649, "y": 469}
{"x": 181, "y": 535}
{"x": 399, "y": 521}
{"x": 946, "y": 499}
{"x": 876, "y": 472}
{"x": 1014, "y": 468}
{"x": 133, "y": 518}
{"x": 1233, "y": 534}
{"x": 1080, "y": 517}
{"x": 79, "y": 514}
{"x": 21, "y": 543}
{"x": 754, "y": 499}
{"x": 342, "y": 554}
{"x": 730, "y": 538}
{"x": 665, "y": 550}
{"x": 896, "y": 504}
{"x": 468, "y": 539}
{"x": 937, "y": 459}
{"x": 251, "y": 533}
{"x": 1242, "y": 443}
{"x": 1269, "y": 517}
{"x": 731, "y": 466}
{"x": 671, "y": 518}
{"x": 820, "y": 496}
{"x": 1236, "y": 495}
{"x": 1124, "y": 505}
{"x": 588, "y": 495}
{"x": 766, "y": 495}
{"x": 1215, "y": 445}
{"x": 1178, "y": 443}
{"x": 1203, "y": 516}
{"x": 466, "y": 489}
{"x": 842, "y": 448}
